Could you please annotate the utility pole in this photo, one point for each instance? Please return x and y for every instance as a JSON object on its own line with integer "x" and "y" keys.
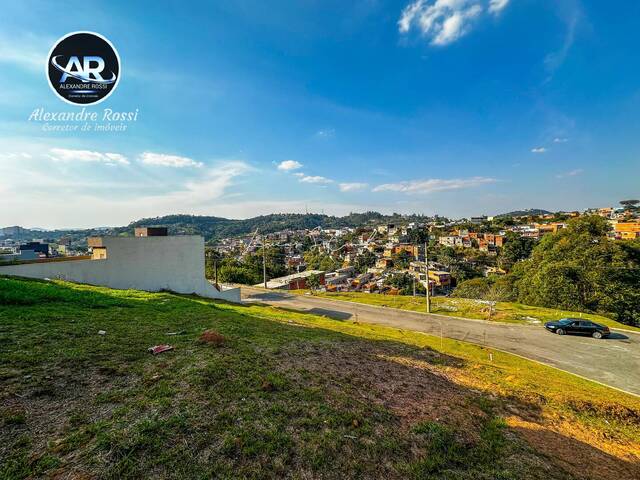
{"x": 426, "y": 265}
{"x": 215, "y": 269}
{"x": 416, "y": 258}
{"x": 264, "y": 264}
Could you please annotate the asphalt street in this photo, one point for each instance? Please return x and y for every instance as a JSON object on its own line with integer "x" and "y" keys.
{"x": 614, "y": 361}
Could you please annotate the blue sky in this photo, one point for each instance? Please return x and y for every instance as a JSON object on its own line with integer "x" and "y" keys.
{"x": 455, "y": 107}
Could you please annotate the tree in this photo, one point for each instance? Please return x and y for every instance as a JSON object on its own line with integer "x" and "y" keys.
{"x": 365, "y": 261}
{"x": 274, "y": 259}
{"x": 630, "y": 204}
{"x": 404, "y": 283}
{"x": 211, "y": 257}
{"x": 329, "y": 264}
{"x": 476, "y": 288}
{"x": 579, "y": 268}
{"x": 418, "y": 236}
{"x": 492, "y": 288}
{"x": 515, "y": 248}
{"x": 402, "y": 259}
{"x": 317, "y": 260}
{"x": 313, "y": 282}
{"x": 456, "y": 261}
{"x": 249, "y": 270}
{"x": 232, "y": 271}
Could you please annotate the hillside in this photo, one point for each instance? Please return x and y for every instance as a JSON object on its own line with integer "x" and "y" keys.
{"x": 282, "y": 395}
{"x": 530, "y": 212}
{"x": 214, "y": 228}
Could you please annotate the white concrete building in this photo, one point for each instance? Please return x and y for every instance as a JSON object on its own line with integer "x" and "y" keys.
{"x": 451, "y": 241}
{"x": 142, "y": 263}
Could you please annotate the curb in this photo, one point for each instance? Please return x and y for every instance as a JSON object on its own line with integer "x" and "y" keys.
{"x": 557, "y": 368}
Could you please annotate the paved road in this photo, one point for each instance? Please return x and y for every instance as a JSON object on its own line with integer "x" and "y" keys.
{"x": 614, "y": 361}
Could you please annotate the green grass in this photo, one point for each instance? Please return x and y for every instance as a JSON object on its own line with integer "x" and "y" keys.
{"x": 287, "y": 395}
{"x": 468, "y": 308}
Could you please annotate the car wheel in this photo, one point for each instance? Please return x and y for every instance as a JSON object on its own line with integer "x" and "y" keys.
{"x": 596, "y": 334}
{"x": 560, "y": 331}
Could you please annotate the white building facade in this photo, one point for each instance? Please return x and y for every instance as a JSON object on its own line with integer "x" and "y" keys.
{"x": 142, "y": 263}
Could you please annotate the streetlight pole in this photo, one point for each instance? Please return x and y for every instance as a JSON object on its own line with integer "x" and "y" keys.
{"x": 426, "y": 264}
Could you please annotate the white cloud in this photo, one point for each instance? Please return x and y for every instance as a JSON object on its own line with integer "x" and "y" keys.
{"x": 313, "y": 179}
{"x": 14, "y": 155}
{"x": 164, "y": 160}
{"x": 560, "y": 140}
{"x": 496, "y": 6}
{"x": 326, "y": 133}
{"x": 444, "y": 21}
{"x": 538, "y": 150}
{"x": 69, "y": 155}
{"x": 210, "y": 186}
{"x": 571, "y": 173}
{"x": 433, "y": 185}
{"x": 28, "y": 51}
{"x": 288, "y": 165}
{"x": 352, "y": 187}
{"x": 554, "y": 60}
{"x": 45, "y": 200}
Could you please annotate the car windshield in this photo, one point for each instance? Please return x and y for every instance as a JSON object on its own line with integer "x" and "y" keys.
{"x": 565, "y": 321}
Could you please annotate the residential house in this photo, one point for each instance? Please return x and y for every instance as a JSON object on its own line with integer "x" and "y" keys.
{"x": 626, "y": 230}
{"x": 544, "y": 228}
{"x": 451, "y": 241}
{"x": 384, "y": 263}
{"x": 395, "y": 249}
{"x": 440, "y": 278}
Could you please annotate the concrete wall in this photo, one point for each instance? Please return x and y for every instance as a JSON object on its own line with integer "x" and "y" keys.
{"x": 141, "y": 263}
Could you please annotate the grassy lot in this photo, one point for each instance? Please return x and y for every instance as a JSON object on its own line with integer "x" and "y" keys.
{"x": 284, "y": 395}
{"x": 468, "y": 308}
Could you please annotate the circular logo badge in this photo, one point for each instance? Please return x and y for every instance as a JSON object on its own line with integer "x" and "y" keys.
{"x": 83, "y": 68}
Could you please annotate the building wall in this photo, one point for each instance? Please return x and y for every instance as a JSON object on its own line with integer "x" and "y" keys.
{"x": 627, "y": 227}
{"x": 141, "y": 263}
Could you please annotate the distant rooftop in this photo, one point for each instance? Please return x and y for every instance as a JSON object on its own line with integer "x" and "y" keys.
{"x": 282, "y": 281}
{"x": 151, "y": 232}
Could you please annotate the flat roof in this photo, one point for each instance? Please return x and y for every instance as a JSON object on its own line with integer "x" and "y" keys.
{"x": 281, "y": 281}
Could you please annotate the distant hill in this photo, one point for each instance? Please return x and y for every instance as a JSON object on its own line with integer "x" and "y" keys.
{"x": 215, "y": 228}
{"x": 531, "y": 212}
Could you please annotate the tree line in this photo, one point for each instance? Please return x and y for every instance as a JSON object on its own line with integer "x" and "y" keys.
{"x": 577, "y": 268}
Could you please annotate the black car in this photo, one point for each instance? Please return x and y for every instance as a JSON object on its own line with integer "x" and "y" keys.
{"x": 577, "y": 326}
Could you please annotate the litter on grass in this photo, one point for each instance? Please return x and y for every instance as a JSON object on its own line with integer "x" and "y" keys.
{"x": 159, "y": 349}
{"x": 212, "y": 337}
